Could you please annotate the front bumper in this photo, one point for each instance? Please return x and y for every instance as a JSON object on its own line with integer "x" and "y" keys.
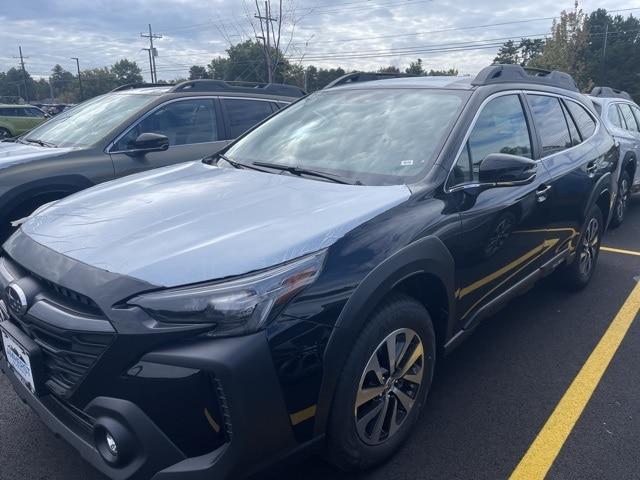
{"x": 184, "y": 405}
{"x": 256, "y": 422}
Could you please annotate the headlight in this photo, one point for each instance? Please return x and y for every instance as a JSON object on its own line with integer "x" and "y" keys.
{"x": 238, "y": 306}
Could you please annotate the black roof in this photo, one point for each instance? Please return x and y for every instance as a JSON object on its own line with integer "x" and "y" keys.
{"x": 608, "y": 92}
{"x": 516, "y": 74}
{"x": 222, "y": 86}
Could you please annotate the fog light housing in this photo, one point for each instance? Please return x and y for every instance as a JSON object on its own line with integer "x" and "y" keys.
{"x": 113, "y": 442}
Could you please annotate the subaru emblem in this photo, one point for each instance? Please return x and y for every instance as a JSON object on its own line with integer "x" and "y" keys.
{"x": 16, "y": 299}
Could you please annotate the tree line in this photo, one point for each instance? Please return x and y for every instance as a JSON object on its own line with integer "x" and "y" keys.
{"x": 64, "y": 86}
{"x": 598, "y": 49}
{"x": 245, "y": 62}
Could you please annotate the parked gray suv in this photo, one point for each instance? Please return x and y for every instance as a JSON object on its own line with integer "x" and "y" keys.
{"x": 131, "y": 129}
{"x": 622, "y": 118}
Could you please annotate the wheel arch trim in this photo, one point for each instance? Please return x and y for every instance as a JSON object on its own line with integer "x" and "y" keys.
{"x": 427, "y": 255}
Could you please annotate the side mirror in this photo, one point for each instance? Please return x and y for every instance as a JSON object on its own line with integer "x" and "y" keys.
{"x": 150, "y": 142}
{"x": 504, "y": 170}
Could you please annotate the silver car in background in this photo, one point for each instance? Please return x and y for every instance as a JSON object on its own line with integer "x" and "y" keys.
{"x": 621, "y": 115}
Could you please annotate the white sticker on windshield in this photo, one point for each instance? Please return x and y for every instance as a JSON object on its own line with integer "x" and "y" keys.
{"x": 406, "y": 163}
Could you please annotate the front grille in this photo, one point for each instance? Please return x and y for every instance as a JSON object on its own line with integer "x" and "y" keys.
{"x": 69, "y": 327}
{"x": 67, "y": 354}
{"x": 74, "y": 298}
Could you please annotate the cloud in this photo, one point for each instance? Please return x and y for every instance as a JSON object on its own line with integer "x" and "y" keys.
{"x": 354, "y": 34}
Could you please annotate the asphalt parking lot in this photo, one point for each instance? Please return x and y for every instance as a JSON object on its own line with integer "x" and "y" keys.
{"x": 489, "y": 402}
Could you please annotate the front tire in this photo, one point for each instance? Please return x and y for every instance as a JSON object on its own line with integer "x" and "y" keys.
{"x": 622, "y": 202}
{"x": 577, "y": 275}
{"x": 383, "y": 385}
{"x": 4, "y": 134}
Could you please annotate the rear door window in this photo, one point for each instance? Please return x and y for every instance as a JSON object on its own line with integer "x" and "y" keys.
{"x": 243, "y": 114}
{"x": 583, "y": 119}
{"x": 550, "y": 123}
{"x": 573, "y": 130}
{"x": 614, "y": 116}
{"x": 629, "y": 119}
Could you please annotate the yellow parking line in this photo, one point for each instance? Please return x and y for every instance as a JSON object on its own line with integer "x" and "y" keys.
{"x": 545, "y": 448}
{"x": 619, "y": 250}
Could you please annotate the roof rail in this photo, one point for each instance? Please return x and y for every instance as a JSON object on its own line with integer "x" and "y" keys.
{"x": 517, "y": 74}
{"x": 246, "y": 87}
{"x": 608, "y": 92}
{"x": 132, "y": 86}
{"x": 356, "y": 77}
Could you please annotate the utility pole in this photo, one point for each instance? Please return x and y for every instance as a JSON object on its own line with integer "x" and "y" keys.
{"x": 24, "y": 74}
{"x": 604, "y": 54}
{"x": 266, "y": 39}
{"x": 79, "y": 77}
{"x": 152, "y": 53}
{"x": 150, "y": 62}
{"x": 51, "y": 88}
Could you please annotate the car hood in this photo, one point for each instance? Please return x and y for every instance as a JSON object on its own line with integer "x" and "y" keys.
{"x": 194, "y": 222}
{"x": 14, "y": 153}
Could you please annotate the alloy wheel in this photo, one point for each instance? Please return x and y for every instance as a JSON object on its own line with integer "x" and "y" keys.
{"x": 623, "y": 199}
{"x": 590, "y": 242}
{"x": 389, "y": 386}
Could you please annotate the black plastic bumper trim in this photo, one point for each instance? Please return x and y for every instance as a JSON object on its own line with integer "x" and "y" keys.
{"x": 156, "y": 453}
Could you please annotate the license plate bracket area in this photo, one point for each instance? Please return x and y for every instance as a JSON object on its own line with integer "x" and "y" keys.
{"x": 22, "y": 345}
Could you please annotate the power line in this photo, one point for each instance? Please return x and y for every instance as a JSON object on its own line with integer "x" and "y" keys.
{"x": 455, "y": 29}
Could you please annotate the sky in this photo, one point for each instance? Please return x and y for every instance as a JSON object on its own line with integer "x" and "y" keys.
{"x": 353, "y": 34}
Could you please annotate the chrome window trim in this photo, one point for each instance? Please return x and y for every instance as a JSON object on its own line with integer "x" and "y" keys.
{"x": 462, "y": 186}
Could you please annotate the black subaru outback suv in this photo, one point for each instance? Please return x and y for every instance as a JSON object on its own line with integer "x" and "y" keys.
{"x": 133, "y": 128}
{"x": 296, "y": 290}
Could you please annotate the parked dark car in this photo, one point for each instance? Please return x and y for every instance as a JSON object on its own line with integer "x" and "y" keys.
{"x": 297, "y": 290}
{"x": 131, "y": 129}
{"x": 621, "y": 115}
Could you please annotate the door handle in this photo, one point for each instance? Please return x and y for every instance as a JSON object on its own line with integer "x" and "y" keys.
{"x": 542, "y": 192}
{"x": 591, "y": 167}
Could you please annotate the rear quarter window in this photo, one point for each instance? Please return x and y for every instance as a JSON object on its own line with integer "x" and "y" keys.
{"x": 550, "y": 123}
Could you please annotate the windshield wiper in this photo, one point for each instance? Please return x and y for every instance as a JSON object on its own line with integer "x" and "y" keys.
{"x": 218, "y": 156}
{"x": 233, "y": 163}
{"x": 307, "y": 171}
{"x": 42, "y": 143}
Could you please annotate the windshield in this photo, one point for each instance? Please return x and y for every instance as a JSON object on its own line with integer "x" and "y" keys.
{"x": 89, "y": 122}
{"x": 376, "y": 137}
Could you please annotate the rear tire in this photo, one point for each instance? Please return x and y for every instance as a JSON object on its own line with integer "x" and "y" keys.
{"x": 577, "y": 275}
{"x": 378, "y": 402}
{"x": 622, "y": 202}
